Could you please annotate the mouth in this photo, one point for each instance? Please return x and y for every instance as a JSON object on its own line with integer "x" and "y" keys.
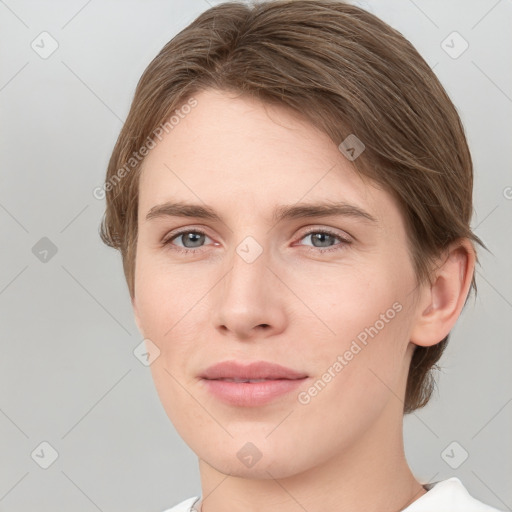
{"x": 245, "y": 380}
{"x": 250, "y": 385}
{"x": 254, "y": 371}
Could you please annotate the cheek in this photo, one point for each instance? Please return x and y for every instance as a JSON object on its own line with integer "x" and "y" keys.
{"x": 348, "y": 300}
{"x": 173, "y": 308}
{"x": 160, "y": 297}
{"x": 364, "y": 326}
{"x": 354, "y": 379}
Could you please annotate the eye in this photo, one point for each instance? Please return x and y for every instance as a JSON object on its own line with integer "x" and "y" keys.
{"x": 192, "y": 242}
{"x": 322, "y": 236}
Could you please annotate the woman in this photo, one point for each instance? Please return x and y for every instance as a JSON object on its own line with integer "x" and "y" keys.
{"x": 291, "y": 194}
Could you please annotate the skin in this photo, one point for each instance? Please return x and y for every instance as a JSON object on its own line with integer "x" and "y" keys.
{"x": 293, "y": 305}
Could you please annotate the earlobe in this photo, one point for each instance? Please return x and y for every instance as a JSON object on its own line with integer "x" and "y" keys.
{"x": 442, "y": 302}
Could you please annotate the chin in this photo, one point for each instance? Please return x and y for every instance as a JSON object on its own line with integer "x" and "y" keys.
{"x": 261, "y": 470}
{"x": 260, "y": 460}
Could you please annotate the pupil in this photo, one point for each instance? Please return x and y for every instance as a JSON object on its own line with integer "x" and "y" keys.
{"x": 319, "y": 236}
{"x": 190, "y": 237}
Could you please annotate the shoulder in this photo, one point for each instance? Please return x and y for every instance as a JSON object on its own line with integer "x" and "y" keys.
{"x": 184, "y": 506}
{"x": 448, "y": 496}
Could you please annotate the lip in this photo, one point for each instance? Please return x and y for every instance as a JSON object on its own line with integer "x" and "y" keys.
{"x": 254, "y": 370}
{"x": 279, "y": 380}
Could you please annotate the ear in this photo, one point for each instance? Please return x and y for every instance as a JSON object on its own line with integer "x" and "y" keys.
{"x": 441, "y": 303}
{"x": 137, "y": 317}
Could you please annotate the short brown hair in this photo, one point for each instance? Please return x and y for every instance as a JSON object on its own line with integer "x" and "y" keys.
{"x": 346, "y": 72}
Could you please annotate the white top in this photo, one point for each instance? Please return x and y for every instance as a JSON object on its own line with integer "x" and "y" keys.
{"x": 444, "y": 496}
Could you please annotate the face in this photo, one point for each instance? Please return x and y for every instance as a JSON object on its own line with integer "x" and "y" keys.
{"x": 328, "y": 295}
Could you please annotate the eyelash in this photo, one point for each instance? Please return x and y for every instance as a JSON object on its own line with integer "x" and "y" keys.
{"x": 167, "y": 242}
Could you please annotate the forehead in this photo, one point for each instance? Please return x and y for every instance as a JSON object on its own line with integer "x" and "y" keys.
{"x": 236, "y": 152}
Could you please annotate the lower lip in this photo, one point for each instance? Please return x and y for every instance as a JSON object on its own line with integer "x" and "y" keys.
{"x": 251, "y": 394}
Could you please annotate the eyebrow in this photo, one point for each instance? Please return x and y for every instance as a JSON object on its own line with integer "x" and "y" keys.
{"x": 284, "y": 212}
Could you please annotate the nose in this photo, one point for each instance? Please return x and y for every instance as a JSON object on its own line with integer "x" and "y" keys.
{"x": 248, "y": 301}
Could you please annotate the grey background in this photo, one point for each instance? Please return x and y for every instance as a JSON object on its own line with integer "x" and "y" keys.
{"x": 68, "y": 375}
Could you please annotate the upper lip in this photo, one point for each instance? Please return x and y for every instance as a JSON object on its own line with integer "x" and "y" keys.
{"x": 254, "y": 370}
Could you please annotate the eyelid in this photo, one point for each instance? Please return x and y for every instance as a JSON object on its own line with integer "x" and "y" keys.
{"x": 315, "y": 228}
{"x": 331, "y": 231}
{"x": 181, "y": 231}
{"x": 345, "y": 239}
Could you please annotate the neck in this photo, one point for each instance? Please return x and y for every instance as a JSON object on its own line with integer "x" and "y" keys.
{"x": 371, "y": 475}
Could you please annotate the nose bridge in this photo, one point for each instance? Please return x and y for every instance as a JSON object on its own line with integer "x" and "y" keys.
{"x": 243, "y": 299}
{"x": 248, "y": 268}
